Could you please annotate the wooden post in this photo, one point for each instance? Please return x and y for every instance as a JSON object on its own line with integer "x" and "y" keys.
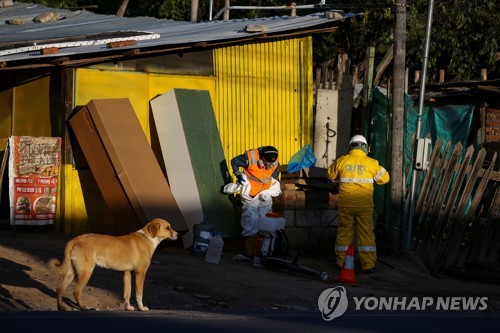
{"x": 398, "y": 108}
{"x": 294, "y": 9}
{"x": 341, "y": 64}
{"x": 324, "y": 76}
{"x": 318, "y": 82}
{"x": 417, "y": 77}
{"x": 383, "y": 65}
{"x": 484, "y": 74}
{"x": 331, "y": 74}
{"x": 226, "y": 13}
{"x": 355, "y": 75}
{"x": 122, "y": 9}
{"x": 407, "y": 78}
{"x": 367, "y": 85}
{"x": 441, "y": 75}
{"x": 368, "y": 81}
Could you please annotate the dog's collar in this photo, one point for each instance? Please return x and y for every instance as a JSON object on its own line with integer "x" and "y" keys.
{"x": 155, "y": 240}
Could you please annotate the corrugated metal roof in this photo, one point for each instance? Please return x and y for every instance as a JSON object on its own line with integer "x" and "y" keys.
{"x": 86, "y": 34}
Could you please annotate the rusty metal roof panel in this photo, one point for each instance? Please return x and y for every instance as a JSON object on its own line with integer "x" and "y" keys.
{"x": 85, "y": 33}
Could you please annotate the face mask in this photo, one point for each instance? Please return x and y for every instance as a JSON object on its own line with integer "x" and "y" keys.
{"x": 266, "y": 165}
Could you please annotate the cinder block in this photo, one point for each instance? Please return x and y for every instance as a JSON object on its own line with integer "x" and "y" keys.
{"x": 324, "y": 240}
{"x": 308, "y": 218}
{"x": 289, "y": 215}
{"x": 298, "y": 238}
{"x": 300, "y": 200}
{"x": 327, "y": 216}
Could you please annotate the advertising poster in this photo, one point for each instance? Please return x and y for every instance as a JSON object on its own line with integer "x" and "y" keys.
{"x": 33, "y": 174}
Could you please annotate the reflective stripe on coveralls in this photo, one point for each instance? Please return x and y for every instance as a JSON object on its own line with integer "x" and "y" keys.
{"x": 361, "y": 248}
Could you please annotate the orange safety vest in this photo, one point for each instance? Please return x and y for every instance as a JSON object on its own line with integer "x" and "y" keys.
{"x": 259, "y": 177}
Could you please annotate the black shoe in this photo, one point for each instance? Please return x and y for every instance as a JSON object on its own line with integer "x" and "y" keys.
{"x": 370, "y": 270}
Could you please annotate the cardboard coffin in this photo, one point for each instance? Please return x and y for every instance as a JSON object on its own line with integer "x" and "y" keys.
{"x": 194, "y": 158}
{"x": 124, "y": 165}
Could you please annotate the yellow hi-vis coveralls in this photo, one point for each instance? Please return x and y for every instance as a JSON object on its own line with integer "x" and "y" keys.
{"x": 356, "y": 173}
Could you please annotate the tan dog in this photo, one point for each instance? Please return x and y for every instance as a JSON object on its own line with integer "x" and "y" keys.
{"x": 127, "y": 253}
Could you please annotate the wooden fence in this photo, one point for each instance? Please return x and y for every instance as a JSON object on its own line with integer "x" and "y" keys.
{"x": 457, "y": 216}
{"x": 330, "y": 75}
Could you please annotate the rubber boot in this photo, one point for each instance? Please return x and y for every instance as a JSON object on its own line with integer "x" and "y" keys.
{"x": 250, "y": 246}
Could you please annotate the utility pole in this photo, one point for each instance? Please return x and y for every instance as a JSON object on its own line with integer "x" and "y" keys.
{"x": 398, "y": 109}
{"x": 421, "y": 96}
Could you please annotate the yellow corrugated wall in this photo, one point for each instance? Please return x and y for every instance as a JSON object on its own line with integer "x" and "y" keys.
{"x": 264, "y": 96}
{"x": 261, "y": 94}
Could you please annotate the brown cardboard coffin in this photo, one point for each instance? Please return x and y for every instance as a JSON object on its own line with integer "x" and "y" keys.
{"x": 104, "y": 174}
{"x": 124, "y": 164}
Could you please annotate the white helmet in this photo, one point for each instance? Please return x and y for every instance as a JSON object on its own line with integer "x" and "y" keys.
{"x": 358, "y": 139}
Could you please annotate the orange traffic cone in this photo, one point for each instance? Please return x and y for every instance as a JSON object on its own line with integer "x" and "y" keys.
{"x": 347, "y": 272}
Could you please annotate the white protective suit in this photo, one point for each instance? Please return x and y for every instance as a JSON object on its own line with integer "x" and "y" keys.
{"x": 254, "y": 208}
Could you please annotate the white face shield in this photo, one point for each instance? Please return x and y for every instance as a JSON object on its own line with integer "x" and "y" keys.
{"x": 359, "y": 145}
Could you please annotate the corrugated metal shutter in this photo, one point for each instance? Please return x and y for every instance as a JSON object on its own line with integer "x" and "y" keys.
{"x": 264, "y": 93}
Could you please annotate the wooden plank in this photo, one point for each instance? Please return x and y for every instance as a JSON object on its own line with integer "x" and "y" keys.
{"x": 495, "y": 220}
{"x": 424, "y": 192}
{"x": 383, "y": 65}
{"x": 459, "y": 214}
{"x": 324, "y": 78}
{"x": 490, "y": 228}
{"x": 429, "y": 204}
{"x": 318, "y": 80}
{"x": 330, "y": 79}
{"x": 481, "y": 188}
{"x": 477, "y": 228}
{"x": 341, "y": 64}
{"x": 443, "y": 220}
{"x": 451, "y": 205}
{"x": 432, "y": 233}
{"x": 368, "y": 80}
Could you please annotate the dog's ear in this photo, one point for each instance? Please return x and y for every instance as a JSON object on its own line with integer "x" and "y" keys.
{"x": 153, "y": 228}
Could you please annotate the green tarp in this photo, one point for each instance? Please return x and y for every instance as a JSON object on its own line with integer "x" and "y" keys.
{"x": 449, "y": 122}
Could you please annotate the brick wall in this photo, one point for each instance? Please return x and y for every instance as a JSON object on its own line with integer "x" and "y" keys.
{"x": 492, "y": 126}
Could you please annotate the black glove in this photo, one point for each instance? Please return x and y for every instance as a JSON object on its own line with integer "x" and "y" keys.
{"x": 240, "y": 178}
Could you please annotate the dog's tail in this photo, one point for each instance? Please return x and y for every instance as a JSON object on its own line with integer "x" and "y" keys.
{"x": 62, "y": 265}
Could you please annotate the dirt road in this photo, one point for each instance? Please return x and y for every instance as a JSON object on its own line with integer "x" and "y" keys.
{"x": 178, "y": 280}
